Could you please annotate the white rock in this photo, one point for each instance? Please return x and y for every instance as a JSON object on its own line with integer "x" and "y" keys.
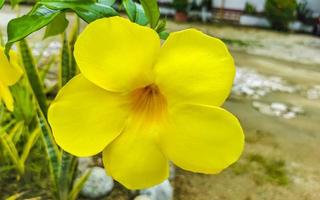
{"x": 297, "y": 109}
{"x": 289, "y": 115}
{"x": 163, "y": 191}
{"x": 142, "y": 197}
{"x": 281, "y": 107}
{"x": 266, "y": 110}
{"x": 84, "y": 163}
{"x": 98, "y": 184}
{"x": 313, "y": 93}
{"x": 172, "y": 172}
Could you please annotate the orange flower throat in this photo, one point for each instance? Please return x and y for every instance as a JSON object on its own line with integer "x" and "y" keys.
{"x": 149, "y": 102}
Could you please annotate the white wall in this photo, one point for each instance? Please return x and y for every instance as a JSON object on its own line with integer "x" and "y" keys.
{"x": 240, "y": 4}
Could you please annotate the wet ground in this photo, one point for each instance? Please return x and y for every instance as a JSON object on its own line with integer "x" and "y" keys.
{"x": 276, "y": 96}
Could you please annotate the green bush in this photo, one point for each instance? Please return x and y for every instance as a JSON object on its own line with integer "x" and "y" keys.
{"x": 250, "y": 8}
{"x": 280, "y": 13}
{"x": 180, "y": 5}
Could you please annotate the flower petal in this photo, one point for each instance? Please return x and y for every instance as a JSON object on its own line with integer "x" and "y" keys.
{"x": 6, "y": 96}
{"x": 116, "y": 54}
{"x": 194, "y": 68}
{"x": 86, "y": 118}
{"x": 202, "y": 139}
{"x": 134, "y": 159}
{"x": 10, "y": 72}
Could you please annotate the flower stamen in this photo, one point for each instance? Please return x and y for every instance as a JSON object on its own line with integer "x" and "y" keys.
{"x": 148, "y": 102}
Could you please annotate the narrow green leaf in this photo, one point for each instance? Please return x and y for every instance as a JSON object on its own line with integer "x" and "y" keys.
{"x": 73, "y": 38}
{"x": 21, "y": 27}
{"x": 65, "y": 166}
{"x": 161, "y": 26}
{"x": 15, "y": 196}
{"x": 65, "y": 61}
{"x": 152, "y": 11}
{"x": 51, "y": 149}
{"x": 86, "y": 9}
{"x": 16, "y": 131}
{"x": 13, "y": 153}
{"x": 57, "y": 26}
{"x": 33, "y": 137}
{"x": 79, "y": 185}
{"x": 33, "y": 76}
{"x": 45, "y": 71}
{"x": 4, "y": 129}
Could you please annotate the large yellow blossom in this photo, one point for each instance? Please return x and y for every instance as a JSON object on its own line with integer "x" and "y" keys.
{"x": 143, "y": 104}
{"x": 10, "y": 73}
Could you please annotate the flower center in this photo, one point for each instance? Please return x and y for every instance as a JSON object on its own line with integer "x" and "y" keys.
{"x": 149, "y": 103}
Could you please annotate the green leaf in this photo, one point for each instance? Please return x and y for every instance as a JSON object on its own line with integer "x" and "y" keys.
{"x": 14, "y": 3}
{"x": 107, "y": 2}
{"x": 21, "y": 27}
{"x": 78, "y": 185}
{"x": 164, "y": 35}
{"x": 51, "y": 149}
{"x": 15, "y": 196}
{"x": 135, "y": 12}
{"x": 65, "y": 61}
{"x": 130, "y": 8}
{"x": 86, "y": 9}
{"x": 152, "y": 11}
{"x": 57, "y": 26}
{"x": 33, "y": 76}
{"x": 65, "y": 166}
{"x": 141, "y": 17}
{"x": 1, "y": 3}
{"x": 11, "y": 149}
{"x": 73, "y": 38}
{"x": 28, "y": 146}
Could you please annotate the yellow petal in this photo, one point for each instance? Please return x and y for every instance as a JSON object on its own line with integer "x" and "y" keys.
{"x": 116, "y": 54}
{"x": 6, "y": 96}
{"x": 203, "y": 139}
{"x": 194, "y": 67}
{"x": 10, "y": 72}
{"x": 85, "y": 118}
{"x": 134, "y": 159}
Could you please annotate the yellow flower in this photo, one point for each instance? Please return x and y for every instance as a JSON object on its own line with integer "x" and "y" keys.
{"x": 144, "y": 105}
{"x": 10, "y": 73}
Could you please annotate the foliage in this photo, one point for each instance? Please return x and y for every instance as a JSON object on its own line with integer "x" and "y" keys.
{"x": 180, "y": 5}
{"x": 303, "y": 12}
{"x": 280, "y": 13}
{"x": 250, "y": 8}
{"x": 27, "y": 128}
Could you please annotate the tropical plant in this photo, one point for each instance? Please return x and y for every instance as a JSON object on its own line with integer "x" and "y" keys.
{"x": 303, "y": 12}
{"x": 250, "y": 8}
{"x": 180, "y": 5}
{"x": 280, "y": 13}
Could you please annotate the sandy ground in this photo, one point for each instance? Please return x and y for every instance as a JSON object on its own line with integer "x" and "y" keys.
{"x": 281, "y": 158}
